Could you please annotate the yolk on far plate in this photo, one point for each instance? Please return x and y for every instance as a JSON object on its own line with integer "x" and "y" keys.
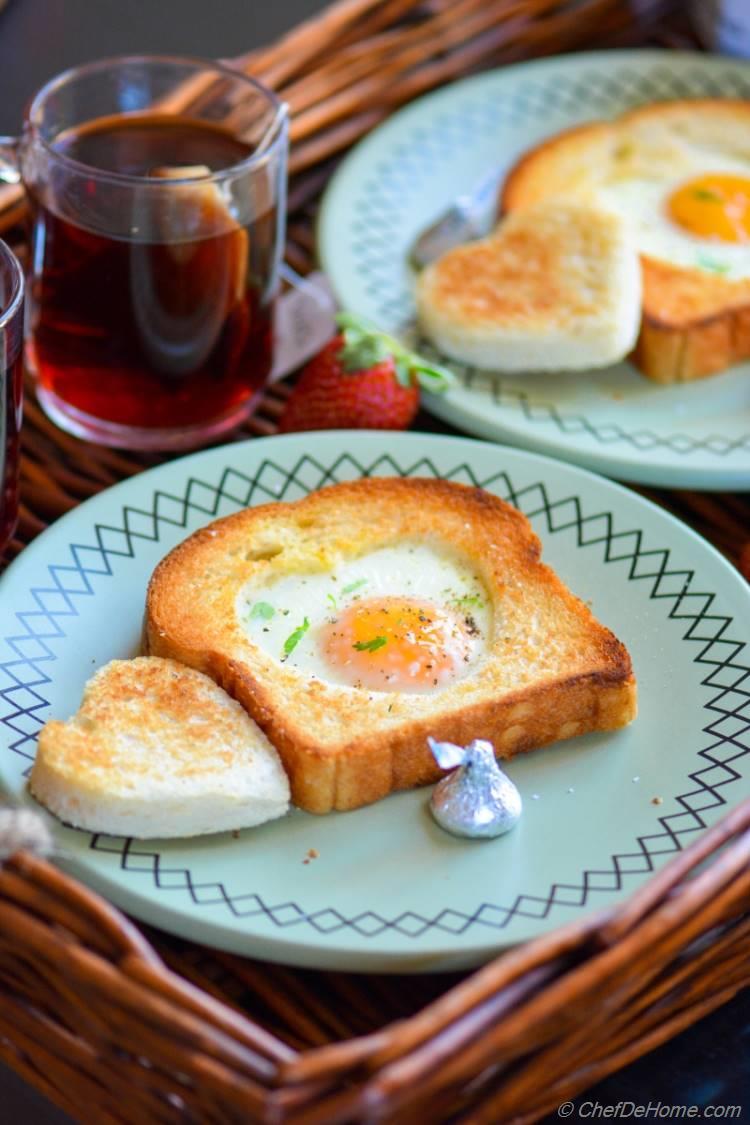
{"x": 713, "y": 206}
{"x": 397, "y": 644}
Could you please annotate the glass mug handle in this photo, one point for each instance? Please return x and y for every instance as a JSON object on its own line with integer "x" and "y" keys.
{"x": 10, "y": 173}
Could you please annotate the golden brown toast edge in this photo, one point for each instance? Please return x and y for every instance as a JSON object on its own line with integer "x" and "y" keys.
{"x": 693, "y": 324}
{"x": 372, "y": 764}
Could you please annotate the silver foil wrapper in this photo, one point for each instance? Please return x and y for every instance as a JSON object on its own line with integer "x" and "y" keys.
{"x": 477, "y": 799}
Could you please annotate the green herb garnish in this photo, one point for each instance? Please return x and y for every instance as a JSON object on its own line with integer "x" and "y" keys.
{"x": 371, "y": 646}
{"x": 708, "y": 263}
{"x": 354, "y": 586}
{"x": 332, "y": 600}
{"x": 262, "y": 609}
{"x": 469, "y": 601}
{"x": 706, "y": 195}
{"x": 294, "y": 638}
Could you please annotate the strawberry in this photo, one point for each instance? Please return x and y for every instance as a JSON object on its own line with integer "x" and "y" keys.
{"x": 361, "y": 379}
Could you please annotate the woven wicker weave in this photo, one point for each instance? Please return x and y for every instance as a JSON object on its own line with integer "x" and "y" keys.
{"x": 114, "y": 1031}
{"x": 93, "y": 1017}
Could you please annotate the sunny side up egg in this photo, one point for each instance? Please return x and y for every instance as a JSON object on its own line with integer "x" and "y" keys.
{"x": 402, "y": 618}
{"x": 697, "y": 218}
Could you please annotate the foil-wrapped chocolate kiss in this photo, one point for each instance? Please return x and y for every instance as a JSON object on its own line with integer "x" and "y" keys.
{"x": 477, "y": 799}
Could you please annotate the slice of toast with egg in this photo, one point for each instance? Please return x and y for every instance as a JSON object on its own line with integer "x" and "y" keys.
{"x": 679, "y": 173}
{"x": 357, "y": 621}
{"x": 157, "y": 749}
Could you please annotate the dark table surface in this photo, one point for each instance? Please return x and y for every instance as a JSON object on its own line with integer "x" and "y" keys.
{"x": 708, "y": 1065}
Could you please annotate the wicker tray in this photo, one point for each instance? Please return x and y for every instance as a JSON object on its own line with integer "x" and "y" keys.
{"x": 94, "y": 1017}
{"x": 119, "y": 1024}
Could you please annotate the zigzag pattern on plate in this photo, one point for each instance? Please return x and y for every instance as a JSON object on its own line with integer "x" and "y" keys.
{"x": 538, "y": 411}
{"x": 24, "y": 676}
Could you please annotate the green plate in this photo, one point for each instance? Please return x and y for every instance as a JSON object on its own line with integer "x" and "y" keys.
{"x": 389, "y": 890}
{"x": 409, "y": 171}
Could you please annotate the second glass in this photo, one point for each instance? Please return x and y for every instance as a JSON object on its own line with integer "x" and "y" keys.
{"x": 158, "y": 197}
{"x": 11, "y": 388}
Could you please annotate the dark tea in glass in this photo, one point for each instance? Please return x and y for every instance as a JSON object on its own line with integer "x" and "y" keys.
{"x": 150, "y": 330}
{"x": 156, "y": 246}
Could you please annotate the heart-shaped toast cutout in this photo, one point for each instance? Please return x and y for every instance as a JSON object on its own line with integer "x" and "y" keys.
{"x": 555, "y": 286}
{"x": 157, "y": 749}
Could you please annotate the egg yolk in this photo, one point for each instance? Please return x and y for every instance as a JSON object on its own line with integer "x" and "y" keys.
{"x": 397, "y": 644}
{"x": 713, "y": 206}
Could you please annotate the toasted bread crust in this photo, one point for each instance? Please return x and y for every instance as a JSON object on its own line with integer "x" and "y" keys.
{"x": 694, "y": 324}
{"x": 569, "y": 157}
{"x": 343, "y": 747}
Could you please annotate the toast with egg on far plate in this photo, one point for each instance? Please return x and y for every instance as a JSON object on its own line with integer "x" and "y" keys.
{"x": 679, "y": 173}
{"x": 356, "y": 622}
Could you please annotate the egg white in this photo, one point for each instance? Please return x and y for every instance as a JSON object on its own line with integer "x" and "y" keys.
{"x": 642, "y": 201}
{"x": 271, "y": 613}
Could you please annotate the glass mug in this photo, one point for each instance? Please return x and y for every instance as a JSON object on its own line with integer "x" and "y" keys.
{"x": 11, "y": 388}
{"x": 157, "y": 189}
